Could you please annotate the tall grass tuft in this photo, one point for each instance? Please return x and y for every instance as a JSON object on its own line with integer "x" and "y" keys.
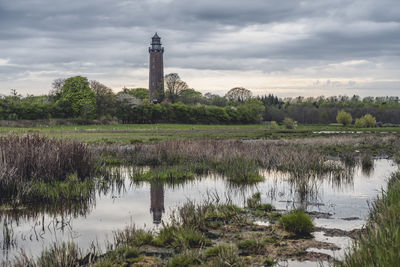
{"x": 65, "y": 254}
{"x": 297, "y": 222}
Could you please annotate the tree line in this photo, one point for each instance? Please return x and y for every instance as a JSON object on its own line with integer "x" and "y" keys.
{"x": 78, "y": 98}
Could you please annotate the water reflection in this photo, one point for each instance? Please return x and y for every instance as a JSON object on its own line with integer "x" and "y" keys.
{"x": 157, "y": 201}
{"x": 119, "y": 202}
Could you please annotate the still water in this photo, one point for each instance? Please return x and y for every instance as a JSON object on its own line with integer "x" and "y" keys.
{"x": 147, "y": 205}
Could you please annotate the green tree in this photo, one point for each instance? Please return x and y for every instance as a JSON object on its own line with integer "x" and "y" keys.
{"x": 105, "y": 99}
{"x": 139, "y": 93}
{"x": 344, "y": 118}
{"x": 190, "y": 97}
{"x": 370, "y": 120}
{"x": 77, "y": 99}
{"x": 365, "y": 121}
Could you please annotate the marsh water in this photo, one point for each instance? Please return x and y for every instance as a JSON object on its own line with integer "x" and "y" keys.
{"x": 146, "y": 205}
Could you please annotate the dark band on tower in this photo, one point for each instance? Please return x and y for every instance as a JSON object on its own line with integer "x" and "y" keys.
{"x": 156, "y": 69}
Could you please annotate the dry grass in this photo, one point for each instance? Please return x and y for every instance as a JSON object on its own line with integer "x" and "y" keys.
{"x": 35, "y": 157}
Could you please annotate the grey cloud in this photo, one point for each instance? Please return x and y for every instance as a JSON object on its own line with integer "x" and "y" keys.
{"x": 64, "y": 35}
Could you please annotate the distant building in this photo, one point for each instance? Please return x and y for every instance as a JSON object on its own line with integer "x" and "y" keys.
{"x": 156, "y": 69}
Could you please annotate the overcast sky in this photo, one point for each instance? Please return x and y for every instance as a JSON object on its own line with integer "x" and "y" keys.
{"x": 288, "y": 48}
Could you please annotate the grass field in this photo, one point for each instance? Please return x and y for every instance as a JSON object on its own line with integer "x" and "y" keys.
{"x": 147, "y": 133}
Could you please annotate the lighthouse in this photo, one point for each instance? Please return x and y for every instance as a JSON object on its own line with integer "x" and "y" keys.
{"x": 156, "y": 70}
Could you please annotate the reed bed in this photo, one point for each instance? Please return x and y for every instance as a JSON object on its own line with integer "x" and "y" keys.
{"x": 34, "y": 157}
{"x": 238, "y": 161}
{"x": 38, "y": 169}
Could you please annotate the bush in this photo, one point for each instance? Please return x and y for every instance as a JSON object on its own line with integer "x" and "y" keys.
{"x": 344, "y": 118}
{"x": 289, "y": 123}
{"x": 359, "y": 123}
{"x": 274, "y": 125}
{"x": 297, "y": 222}
{"x": 370, "y": 120}
{"x": 366, "y": 121}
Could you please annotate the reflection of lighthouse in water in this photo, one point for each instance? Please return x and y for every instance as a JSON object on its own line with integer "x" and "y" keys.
{"x": 157, "y": 201}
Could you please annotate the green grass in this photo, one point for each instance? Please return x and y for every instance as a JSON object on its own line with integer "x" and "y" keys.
{"x": 150, "y": 133}
{"x": 165, "y": 174}
{"x": 379, "y": 244}
{"x": 250, "y": 246}
{"x": 297, "y": 222}
{"x": 187, "y": 258}
{"x": 216, "y": 251}
{"x": 180, "y": 237}
{"x": 254, "y": 203}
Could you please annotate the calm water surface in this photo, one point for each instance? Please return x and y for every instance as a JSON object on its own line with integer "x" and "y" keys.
{"x": 147, "y": 205}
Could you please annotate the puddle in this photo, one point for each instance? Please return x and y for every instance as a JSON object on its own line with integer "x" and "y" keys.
{"x": 343, "y": 242}
{"x": 147, "y": 205}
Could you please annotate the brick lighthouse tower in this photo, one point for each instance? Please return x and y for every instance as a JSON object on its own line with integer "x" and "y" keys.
{"x": 156, "y": 70}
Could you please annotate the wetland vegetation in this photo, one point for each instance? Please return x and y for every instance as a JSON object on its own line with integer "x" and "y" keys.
{"x": 55, "y": 177}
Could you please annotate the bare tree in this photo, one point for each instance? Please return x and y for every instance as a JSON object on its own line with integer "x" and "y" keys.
{"x": 240, "y": 94}
{"x": 174, "y": 86}
{"x": 56, "y": 88}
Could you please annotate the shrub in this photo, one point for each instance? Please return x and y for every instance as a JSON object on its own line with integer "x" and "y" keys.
{"x": 297, "y": 222}
{"x": 274, "y": 125}
{"x": 289, "y": 123}
{"x": 365, "y": 121}
{"x": 344, "y": 118}
{"x": 370, "y": 120}
{"x": 360, "y": 123}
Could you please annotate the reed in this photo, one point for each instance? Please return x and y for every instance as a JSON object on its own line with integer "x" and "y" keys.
{"x": 236, "y": 160}
{"x": 378, "y": 245}
{"x": 33, "y": 157}
{"x": 35, "y": 169}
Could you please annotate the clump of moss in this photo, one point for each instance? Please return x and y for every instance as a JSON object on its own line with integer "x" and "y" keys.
{"x": 297, "y": 222}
